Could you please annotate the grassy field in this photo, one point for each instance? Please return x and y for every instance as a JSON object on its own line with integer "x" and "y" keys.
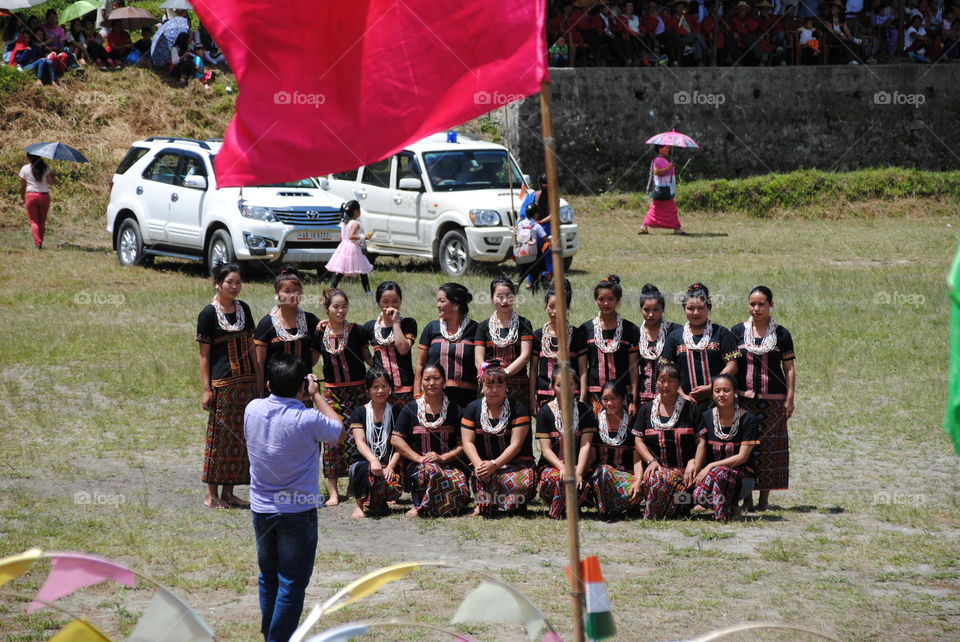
{"x": 102, "y": 432}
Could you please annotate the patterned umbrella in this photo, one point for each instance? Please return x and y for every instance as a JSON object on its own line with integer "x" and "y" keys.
{"x": 163, "y": 40}
{"x": 673, "y": 139}
{"x": 177, "y": 4}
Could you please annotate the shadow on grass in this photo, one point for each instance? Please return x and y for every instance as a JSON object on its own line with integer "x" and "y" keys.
{"x": 93, "y": 249}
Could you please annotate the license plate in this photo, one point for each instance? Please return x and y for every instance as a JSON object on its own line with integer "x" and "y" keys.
{"x": 315, "y": 236}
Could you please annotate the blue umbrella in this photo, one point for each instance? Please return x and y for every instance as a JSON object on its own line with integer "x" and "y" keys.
{"x": 56, "y": 151}
{"x": 164, "y": 38}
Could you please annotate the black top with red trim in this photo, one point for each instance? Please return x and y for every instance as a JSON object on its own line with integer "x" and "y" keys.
{"x": 761, "y": 375}
{"x": 650, "y": 367}
{"x": 603, "y": 367}
{"x": 546, "y": 366}
{"x": 266, "y": 335}
{"x": 229, "y": 351}
{"x": 399, "y": 366}
{"x": 699, "y": 367}
{"x": 673, "y": 447}
{"x": 547, "y": 429}
{"x": 748, "y": 432}
{"x": 358, "y": 421}
{"x": 509, "y": 353}
{"x": 441, "y": 440}
{"x": 620, "y": 457}
{"x": 492, "y": 446}
{"x": 456, "y": 358}
{"x": 347, "y": 367}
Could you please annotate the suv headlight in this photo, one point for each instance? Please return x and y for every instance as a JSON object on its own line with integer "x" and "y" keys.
{"x": 257, "y": 212}
{"x": 566, "y": 214}
{"x": 485, "y": 218}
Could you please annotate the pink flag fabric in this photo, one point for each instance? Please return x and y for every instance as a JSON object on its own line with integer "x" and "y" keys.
{"x": 72, "y": 571}
{"x": 329, "y": 86}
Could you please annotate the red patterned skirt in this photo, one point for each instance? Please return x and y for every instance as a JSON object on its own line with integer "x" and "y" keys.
{"x": 774, "y": 453}
{"x": 722, "y": 488}
{"x": 553, "y": 494}
{"x": 438, "y": 490}
{"x": 610, "y": 490}
{"x": 509, "y": 489}
{"x": 336, "y": 457}
{"x": 225, "y": 453}
{"x": 666, "y": 494}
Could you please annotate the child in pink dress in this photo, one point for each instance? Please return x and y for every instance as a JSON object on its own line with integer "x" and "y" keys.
{"x": 349, "y": 258}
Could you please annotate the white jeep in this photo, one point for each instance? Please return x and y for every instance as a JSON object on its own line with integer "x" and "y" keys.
{"x": 444, "y": 198}
{"x": 164, "y": 201}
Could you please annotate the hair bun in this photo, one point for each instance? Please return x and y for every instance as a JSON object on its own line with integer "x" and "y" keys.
{"x": 612, "y": 278}
{"x": 649, "y": 288}
{"x": 469, "y": 297}
{"x": 289, "y": 269}
{"x": 698, "y": 287}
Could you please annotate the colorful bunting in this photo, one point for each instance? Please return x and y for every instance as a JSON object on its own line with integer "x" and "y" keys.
{"x": 70, "y": 572}
{"x": 341, "y": 633}
{"x": 491, "y": 602}
{"x": 16, "y": 565}
{"x": 370, "y": 583}
{"x": 169, "y": 619}
{"x": 79, "y": 631}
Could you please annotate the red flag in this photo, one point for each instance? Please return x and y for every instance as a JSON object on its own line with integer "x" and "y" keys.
{"x": 328, "y": 86}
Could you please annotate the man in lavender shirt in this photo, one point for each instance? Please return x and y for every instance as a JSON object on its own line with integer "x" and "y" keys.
{"x": 283, "y": 443}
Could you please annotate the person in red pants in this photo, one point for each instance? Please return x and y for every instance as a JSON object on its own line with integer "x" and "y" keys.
{"x": 35, "y": 181}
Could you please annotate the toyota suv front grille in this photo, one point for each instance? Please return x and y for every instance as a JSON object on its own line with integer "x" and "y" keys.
{"x": 319, "y": 217}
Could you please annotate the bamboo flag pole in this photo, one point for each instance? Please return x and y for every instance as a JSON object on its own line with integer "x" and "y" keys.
{"x": 563, "y": 362}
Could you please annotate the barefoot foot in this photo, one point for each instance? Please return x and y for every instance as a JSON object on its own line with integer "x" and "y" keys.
{"x": 358, "y": 513}
{"x": 333, "y": 501}
{"x": 233, "y": 500}
{"x": 215, "y": 502}
{"x": 413, "y": 512}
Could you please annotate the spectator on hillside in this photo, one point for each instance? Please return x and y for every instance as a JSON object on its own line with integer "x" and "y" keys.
{"x": 559, "y": 53}
{"x": 181, "y": 66}
{"x": 628, "y": 28}
{"x": 212, "y": 53}
{"x": 864, "y": 30}
{"x": 197, "y": 67}
{"x": 93, "y": 42}
{"x": 809, "y": 43}
{"x": 844, "y": 47}
{"x": 772, "y": 37}
{"x": 951, "y": 33}
{"x": 743, "y": 46}
{"x": 143, "y": 44}
{"x": 652, "y": 41}
{"x": 119, "y": 44}
{"x": 915, "y": 40}
{"x": 684, "y": 35}
{"x": 56, "y": 36}
{"x": 76, "y": 42}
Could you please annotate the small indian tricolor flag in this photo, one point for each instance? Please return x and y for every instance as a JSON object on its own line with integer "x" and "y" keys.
{"x": 599, "y": 622}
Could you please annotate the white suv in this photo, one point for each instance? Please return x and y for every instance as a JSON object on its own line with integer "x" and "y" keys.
{"x": 456, "y": 212}
{"x": 164, "y": 201}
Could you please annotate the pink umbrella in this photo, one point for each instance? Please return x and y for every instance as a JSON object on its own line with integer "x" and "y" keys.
{"x": 673, "y": 138}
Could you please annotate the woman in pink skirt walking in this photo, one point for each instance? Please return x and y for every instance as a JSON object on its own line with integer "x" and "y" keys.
{"x": 35, "y": 181}
{"x": 349, "y": 259}
{"x": 663, "y": 207}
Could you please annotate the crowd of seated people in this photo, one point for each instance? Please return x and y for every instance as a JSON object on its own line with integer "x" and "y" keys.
{"x": 618, "y": 33}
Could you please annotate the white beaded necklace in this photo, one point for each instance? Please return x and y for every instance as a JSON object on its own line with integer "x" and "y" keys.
{"x": 512, "y": 333}
{"x": 734, "y": 427}
{"x": 422, "y": 413}
{"x": 655, "y": 414}
{"x": 502, "y": 420}
{"x": 603, "y": 344}
{"x": 281, "y": 331}
{"x": 558, "y": 416}
{"x": 453, "y": 338}
{"x": 645, "y": 351}
{"x": 222, "y": 317}
{"x": 549, "y": 338}
{"x": 391, "y": 338}
{"x": 378, "y": 436}
{"x": 330, "y": 339}
{"x": 604, "y": 429}
{"x": 769, "y": 338}
{"x": 704, "y": 340}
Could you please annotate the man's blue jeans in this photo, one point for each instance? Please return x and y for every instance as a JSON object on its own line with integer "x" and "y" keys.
{"x": 286, "y": 550}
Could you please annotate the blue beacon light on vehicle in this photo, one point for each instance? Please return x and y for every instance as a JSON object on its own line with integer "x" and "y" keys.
{"x": 451, "y": 137}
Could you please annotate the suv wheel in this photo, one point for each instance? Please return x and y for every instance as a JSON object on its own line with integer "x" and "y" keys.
{"x": 130, "y": 245}
{"x": 220, "y": 249}
{"x": 567, "y": 262}
{"x": 454, "y": 255}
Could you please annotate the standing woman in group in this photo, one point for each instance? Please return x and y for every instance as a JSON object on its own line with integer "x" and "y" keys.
{"x": 663, "y": 192}
{"x": 506, "y": 337}
{"x": 728, "y": 464}
{"x": 288, "y": 329}
{"x": 766, "y": 384}
{"x": 35, "y": 181}
{"x": 345, "y": 349}
{"x": 496, "y": 439}
{"x": 669, "y": 432}
{"x": 229, "y": 379}
{"x": 428, "y": 438}
{"x": 700, "y": 349}
{"x": 449, "y": 341}
{"x": 349, "y": 258}
{"x": 653, "y": 336}
{"x": 391, "y": 337}
{"x": 618, "y": 465}
{"x": 611, "y": 346}
{"x": 543, "y": 360}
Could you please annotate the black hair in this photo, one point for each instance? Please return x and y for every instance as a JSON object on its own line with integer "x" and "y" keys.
{"x": 221, "y": 271}
{"x": 668, "y": 369}
{"x": 388, "y": 286}
{"x": 285, "y": 374}
{"x": 725, "y": 376}
{"x": 329, "y": 293}
{"x": 618, "y": 388}
{"x": 38, "y": 167}
{"x": 182, "y": 42}
{"x": 765, "y": 291}
{"x": 543, "y": 180}
{"x": 611, "y": 282}
{"x": 287, "y": 273}
{"x": 532, "y": 209}
{"x": 347, "y": 210}
{"x": 504, "y": 281}
{"x": 494, "y": 372}
{"x": 652, "y": 293}
{"x": 375, "y": 373}
{"x": 457, "y": 295}
{"x": 574, "y": 381}
{"x": 567, "y": 291}
{"x": 436, "y": 366}
{"x": 697, "y": 291}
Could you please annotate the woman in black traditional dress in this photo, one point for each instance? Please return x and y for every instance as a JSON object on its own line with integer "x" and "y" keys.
{"x": 617, "y": 465}
{"x": 611, "y": 346}
{"x": 374, "y": 465}
{"x": 506, "y": 337}
{"x": 450, "y": 342}
{"x": 653, "y": 336}
{"x": 392, "y": 337}
{"x": 543, "y": 360}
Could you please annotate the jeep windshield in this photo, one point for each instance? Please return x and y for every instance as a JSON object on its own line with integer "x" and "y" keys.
{"x": 303, "y": 183}
{"x": 466, "y": 169}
